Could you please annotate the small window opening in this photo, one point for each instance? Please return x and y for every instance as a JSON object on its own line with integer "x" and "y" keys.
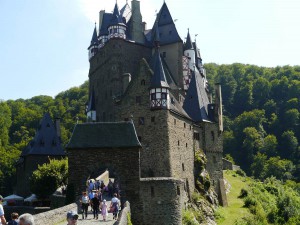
{"x": 178, "y": 143}
{"x": 182, "y": 166}
{"x": 178, "y": 190}
{"x": 153, "y": 119}
{"x": 143, "y": 82}
{"x": 152, "y": 192}
{"x": 212, "y": 136}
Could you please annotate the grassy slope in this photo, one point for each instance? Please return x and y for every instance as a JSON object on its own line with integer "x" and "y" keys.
{"x": 234, "y": 211}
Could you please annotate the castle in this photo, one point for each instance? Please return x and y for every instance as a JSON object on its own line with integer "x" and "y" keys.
{"x": 156, "y": 84}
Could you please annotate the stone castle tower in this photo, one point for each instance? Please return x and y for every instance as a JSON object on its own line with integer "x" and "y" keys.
{"x": 155, "y": 81}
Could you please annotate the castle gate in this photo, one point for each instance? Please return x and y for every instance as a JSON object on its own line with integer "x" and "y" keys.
{"x": 97, "y": 146}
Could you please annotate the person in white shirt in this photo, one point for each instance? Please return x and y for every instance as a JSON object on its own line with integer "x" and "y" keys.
{"x": 2, "y": 218}
{"x": 85, "y": 201}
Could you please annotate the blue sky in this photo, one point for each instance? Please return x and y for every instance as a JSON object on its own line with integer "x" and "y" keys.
{"x": 43, "y": 44}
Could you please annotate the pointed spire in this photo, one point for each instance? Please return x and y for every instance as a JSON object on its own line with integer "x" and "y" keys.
{"x": 94, "y": 40}
{"x": 188, "y": 44}
{"x": 159, "y": 78}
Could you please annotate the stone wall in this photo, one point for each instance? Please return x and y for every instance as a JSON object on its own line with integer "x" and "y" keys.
{"x": 182, "y": 150}
{"x": 151, "y": 125}
{"x": 122, "y": 162}
{"x": 227, "y": 165}
{"x": 162, "y": 201}
{"x": 54, "y": 216}
{"x": 123, "y": 215}
{"x": 23, "y": 209}
{"x": 106, "y": 70}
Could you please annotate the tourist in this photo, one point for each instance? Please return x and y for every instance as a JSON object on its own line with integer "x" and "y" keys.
{"x": 104, "y": 211}
{"x": 72, "y": 217}
{"x": 95, "y": 202}
{"x": 115, "y": 205}
{"x": 26, "y": 219}
{"x": 14, "y": 219}
{"x": 2, "y": 218}
{"x": 110, "y": 187}
{"x": 91, "y": 186}
{"x": 85, "y": 201}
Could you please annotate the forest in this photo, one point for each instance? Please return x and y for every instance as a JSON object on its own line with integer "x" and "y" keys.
{"x": 261, "y": 120}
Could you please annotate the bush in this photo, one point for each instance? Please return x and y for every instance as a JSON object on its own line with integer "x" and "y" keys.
{"x": 188, "y": 218}
{"x": 243, "y": 194}
{"x": 241, "y": 173}
{"x": 48, "y": 177}
{"x": 249, "y": 201}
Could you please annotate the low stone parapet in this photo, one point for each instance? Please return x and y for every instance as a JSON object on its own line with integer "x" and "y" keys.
{"x": 123, "y": 215}
{"x": 54, "y": 216}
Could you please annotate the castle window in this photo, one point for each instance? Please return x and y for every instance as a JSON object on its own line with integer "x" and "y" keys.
{"x": 212, "y": 136}
{"x": 143, "y": 82}
{"x": 141, "y": 121}
{"x": 140, "y": 138}
{"x": 182, "y": 166}
{"x": 185, "y": 144}
{"x": 153, "y": 119}
{"x": 190, "y": 127}
{"x": 138, "y": 99}
{"x": 126, "y": 119}
{"x": 152, "y": 192}
{"x": 184, "y": 125}
{"x": 178, "y": 190}
{"x": 178, "y": 143}
{"x": 196, "y": 136}
{"x": 174, "y": 121}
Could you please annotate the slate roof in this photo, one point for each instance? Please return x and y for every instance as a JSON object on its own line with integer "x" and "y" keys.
{"x": 104, "y": 135}
{"x": 196, "y": 100}
{"x": 116, "y": 17}
{"x": 94, "y": 40}
{"x": 159, "y": 78}
{"x": 46, "y": 141}
{"x": 107, "y": 17}
{"x": 188, "y": 43}
{"x": 167, "y": 31}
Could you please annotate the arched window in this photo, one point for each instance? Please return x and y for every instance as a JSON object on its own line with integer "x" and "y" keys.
{"x": 143, "y": 82}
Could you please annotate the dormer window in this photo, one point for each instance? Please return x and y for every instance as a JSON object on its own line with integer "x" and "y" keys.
{"x": 159, "y": 97}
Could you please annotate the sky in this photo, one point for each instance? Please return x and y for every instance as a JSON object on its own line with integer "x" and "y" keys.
{"x": 43, "y": 44}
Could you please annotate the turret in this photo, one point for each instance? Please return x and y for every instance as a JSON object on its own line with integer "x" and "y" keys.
{"x": 190, "y": 52}
{"x": 91, "y": 108}
{"x": 117, "y": 27}
{"x": 159, "y": 88}
{"x": 93, "y": 48}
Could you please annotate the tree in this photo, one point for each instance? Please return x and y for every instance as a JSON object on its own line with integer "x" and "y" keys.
{"x": 5, "y": 123}
{"x": 48, "y": 177}
{"x": 288, "y": 145}
{"x": 270, "y": 145}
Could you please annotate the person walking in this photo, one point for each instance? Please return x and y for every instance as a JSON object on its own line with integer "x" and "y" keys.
{"x": 104, "y": 210}
{"x": 2, "y": 218}
{"x": 72, "y": 218}
{"x": 85, "y": 201}
{"x": 95, "y": 202}
{"x": 26, "y": 219}
{"x": 115, "y": 204}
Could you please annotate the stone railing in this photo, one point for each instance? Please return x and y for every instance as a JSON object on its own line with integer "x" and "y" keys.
{"x": 123, "y": 215}
{"x": 54, "y": 216}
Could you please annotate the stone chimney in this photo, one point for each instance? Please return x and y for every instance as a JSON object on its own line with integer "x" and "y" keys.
{"x": 126, "y": 80}
{"x": 101, "y": 13}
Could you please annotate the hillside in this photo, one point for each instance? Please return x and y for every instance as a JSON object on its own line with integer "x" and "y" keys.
{"x": 252, "y": 202}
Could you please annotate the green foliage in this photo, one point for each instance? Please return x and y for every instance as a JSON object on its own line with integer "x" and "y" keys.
{"x": 264, "y": 99}
{"x": 48, "y": 177}
{"x": 129, "y": 219}
{"x": 188, "y": 218}
{"x": 272, "y": 202}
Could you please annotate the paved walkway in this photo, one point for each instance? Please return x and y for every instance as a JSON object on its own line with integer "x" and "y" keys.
{"x": 90, "y": 220}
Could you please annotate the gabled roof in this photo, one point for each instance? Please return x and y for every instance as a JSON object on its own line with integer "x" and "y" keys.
{"x": 104, "y": 135}
{"x": 46, "y": 141}
{"x": 92, "y": 103}
{"x": 167, "y": 31}
{"x": 159, "y": 78}
{"x": 196, "y": 101}
{"x": 188, "y": 44}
